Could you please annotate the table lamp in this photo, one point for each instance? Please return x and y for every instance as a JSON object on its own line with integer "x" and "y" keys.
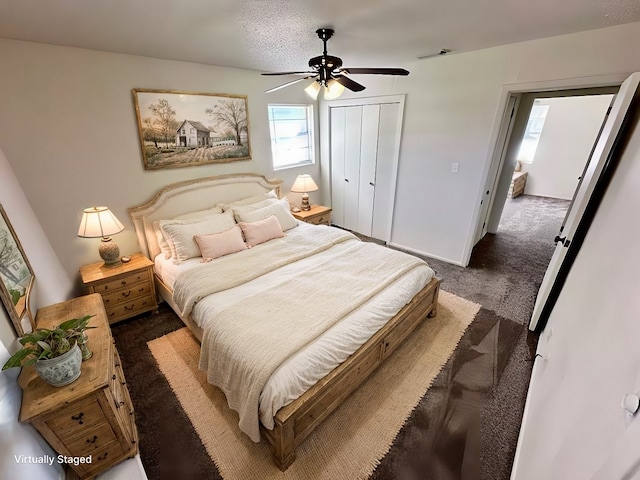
{"x": 100, "y": 222}
{"x": 303, "y": 184}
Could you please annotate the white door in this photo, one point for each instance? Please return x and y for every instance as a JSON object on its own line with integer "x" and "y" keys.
{"x": 364, "y": 145}
{"x": 353, "y": 133}
{"x": 368, "y": 162}
{"x": 599, "y": 158}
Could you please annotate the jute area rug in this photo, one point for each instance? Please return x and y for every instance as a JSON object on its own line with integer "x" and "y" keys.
{"x": 349, "y": 443}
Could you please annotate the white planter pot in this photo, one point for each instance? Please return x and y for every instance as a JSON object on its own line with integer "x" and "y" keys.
{"x": 62, "y": 370}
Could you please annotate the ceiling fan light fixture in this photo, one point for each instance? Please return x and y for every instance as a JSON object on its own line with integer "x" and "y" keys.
{"x": 333, "y": 90}
{"x": 313, "y": 89}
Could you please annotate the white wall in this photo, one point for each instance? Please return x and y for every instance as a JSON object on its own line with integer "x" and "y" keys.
{"x": 68, "y": 128}
{"x": 574, "y": 422}
{"x": 52, "y": 285}
{"x": 567, "y": 138}
{"x": 452, "y": 113}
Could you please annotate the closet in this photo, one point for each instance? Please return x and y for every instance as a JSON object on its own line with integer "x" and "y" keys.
{"x": 364, "y": 146}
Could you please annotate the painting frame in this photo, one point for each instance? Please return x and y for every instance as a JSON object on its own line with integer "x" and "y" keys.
{"x": 185, "y": 129}
{"x": 16, "y": 277}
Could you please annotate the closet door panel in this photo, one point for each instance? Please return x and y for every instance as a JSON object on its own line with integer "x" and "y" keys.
{"x": 368, "y": 155}
{"x": 389, "y": 130}
{"x": 353, "y": 133}
{"x": 337, "y": 141}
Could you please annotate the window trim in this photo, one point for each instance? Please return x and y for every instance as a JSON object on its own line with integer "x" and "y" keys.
{"x": 311, "y": 136}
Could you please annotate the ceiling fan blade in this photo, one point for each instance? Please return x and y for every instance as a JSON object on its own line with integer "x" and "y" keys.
{"x": 348, "y": 83}
{"x": 287, "y": 84}
{"x": 375, "y": 71}
{"x": 288, "y": 73}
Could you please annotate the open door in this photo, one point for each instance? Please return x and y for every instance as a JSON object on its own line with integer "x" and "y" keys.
{"x": 583, "y": 205}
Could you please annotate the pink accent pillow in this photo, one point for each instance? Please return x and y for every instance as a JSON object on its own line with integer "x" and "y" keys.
{"x": 261, "y": 231}
{"x": 214, "y": 245}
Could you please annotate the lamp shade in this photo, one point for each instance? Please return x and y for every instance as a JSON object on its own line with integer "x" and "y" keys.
{"x": 333, "y": 90}
{"x": 313, "y": 89}
{"x": 99, "y": 222}
{"x": 303, "y": 184}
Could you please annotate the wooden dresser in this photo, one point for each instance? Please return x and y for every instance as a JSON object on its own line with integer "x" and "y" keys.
{"x": 127, "y": 289}
{"x": 91, "y": 418}
{"x": 318, "y": 215}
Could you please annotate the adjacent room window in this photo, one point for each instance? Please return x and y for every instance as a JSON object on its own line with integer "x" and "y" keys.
{"x": 535, "y": 124}
{"x": 291, "y": 128}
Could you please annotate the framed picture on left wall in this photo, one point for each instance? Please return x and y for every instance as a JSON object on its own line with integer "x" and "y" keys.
{"x": 184, "y": 129}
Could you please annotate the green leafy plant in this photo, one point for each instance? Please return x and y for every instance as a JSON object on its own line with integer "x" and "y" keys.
{"x": 44, "y": 343}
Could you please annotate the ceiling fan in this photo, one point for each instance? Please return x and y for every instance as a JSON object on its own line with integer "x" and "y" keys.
{"x": 327, "y": 71}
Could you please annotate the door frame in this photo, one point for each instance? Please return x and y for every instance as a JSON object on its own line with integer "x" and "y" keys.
{"x": 492, "y": 159}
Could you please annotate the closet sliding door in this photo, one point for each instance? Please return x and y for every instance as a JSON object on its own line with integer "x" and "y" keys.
{"x": 364, "y": 147}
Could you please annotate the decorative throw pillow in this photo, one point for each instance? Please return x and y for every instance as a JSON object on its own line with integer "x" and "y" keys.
{"x": 215, "y": 245}
{"x": 179, "y": 236}
{"x": 280, "y": 209}
{"x": 261, "y": 231}
{"x": 270, "y": 195}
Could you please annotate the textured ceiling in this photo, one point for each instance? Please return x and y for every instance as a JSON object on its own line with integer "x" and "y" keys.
{"x": 272, "y": 35}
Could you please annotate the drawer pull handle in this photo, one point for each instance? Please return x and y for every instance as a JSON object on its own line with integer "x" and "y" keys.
{"x": 92, "y": 440}
{"x": 103, "y": 456}
{"x": 123, "y": 282}
{"x": 124, "y": 383}
{"x": 120, "y": 404}
{"x": 125, "y": 295}
{"x": 140, "y": 290}
{"x": 114, "y": 377}
{"x": 78, "y": 418}
{"x": 129, "y": 308}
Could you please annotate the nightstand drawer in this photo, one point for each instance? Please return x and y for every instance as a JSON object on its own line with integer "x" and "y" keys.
{"x": 126, "y": 294}
{"x": 130, "y": 308}
{"x": 324, "y": 219}
{"x": 103, "y": 457}
{"x": 122, "y": 281}
{"x": 91, "y": 440}
{"x": 76, "y": 419}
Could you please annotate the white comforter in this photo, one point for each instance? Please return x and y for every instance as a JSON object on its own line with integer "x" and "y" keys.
{"x": 307, "y": 366}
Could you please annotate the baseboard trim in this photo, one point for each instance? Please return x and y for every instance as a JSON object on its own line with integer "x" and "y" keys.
{"x": 425, "y": 254}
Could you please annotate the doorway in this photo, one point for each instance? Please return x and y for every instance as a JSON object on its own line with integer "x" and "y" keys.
{"x": 549, "y": 136}
{"x": 548, "y": 140}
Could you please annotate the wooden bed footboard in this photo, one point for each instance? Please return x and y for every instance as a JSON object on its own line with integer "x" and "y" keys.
{"x": 294, "y": 422}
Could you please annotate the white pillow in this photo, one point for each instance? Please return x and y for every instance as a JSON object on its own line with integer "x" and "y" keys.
{"x": 179, "y": 236}
{"x": 199, "y": 214}
{"x": 241, "y": 209}
{"x": 280, "y": 209}
{"x": 214, "y": 245}
{"x": 270, "y": 195}
{"x": 162, "y": 243}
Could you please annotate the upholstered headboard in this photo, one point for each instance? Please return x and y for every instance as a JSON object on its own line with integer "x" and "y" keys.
{"x": 193, "y": 195}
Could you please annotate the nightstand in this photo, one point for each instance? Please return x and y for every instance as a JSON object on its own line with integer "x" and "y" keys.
{"x": 318, "y": 215}
{"x": 92, "y": 417}
{"x": 127, "y": 289}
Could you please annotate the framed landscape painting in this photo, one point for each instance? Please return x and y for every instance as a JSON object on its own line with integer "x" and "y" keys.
{"x": 184, "y": 129}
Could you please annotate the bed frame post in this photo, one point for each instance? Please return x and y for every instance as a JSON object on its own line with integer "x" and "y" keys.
{"x": 284, "y": 446}
{"x": 434, "y": 308}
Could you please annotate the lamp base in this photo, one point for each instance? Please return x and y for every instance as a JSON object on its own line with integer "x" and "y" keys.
{"x": 109, "y": 252}
{"x": 305, "y": 203}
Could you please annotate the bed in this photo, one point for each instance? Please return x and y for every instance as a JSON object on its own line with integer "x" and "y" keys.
{"x": 339, "y": 340}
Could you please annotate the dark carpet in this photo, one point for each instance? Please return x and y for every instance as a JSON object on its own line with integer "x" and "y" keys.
{"x": 467, "y": 424}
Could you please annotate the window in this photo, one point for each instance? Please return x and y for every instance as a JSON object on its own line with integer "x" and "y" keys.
{"x": 291, "y": 128}
{"x": 529, "y": 145}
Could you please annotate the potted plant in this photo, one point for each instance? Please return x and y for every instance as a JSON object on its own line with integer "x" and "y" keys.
{"x": 54, "y": 353}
